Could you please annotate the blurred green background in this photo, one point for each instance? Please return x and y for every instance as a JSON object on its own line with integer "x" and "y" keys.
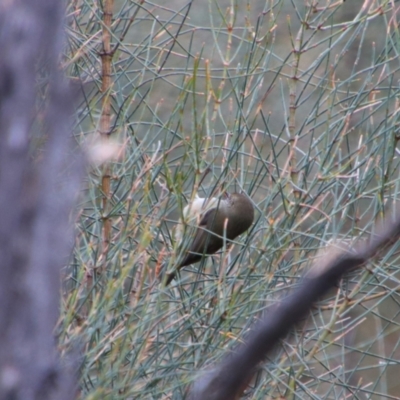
{"x": 294, "y": 102}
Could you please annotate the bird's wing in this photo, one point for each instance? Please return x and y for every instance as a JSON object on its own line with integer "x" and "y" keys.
{"x": 207, "y": 218}
{"x": 201, "y": 234}
{"x": 201, "y": 238}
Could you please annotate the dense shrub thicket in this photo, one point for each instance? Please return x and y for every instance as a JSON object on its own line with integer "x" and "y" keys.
{"x": 296, "y": 103}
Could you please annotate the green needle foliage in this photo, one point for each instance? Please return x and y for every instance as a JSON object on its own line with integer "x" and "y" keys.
{"x": 296, "y": 103}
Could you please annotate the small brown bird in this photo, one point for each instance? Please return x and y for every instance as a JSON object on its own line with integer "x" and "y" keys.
{"x": 230, "y": 216}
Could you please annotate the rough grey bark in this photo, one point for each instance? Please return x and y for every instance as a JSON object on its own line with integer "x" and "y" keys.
{"x": 36, "y": 198}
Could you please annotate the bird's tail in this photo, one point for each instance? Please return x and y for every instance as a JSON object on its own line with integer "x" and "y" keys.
{"x": 168, "y": 277}
{"x": 165, "y": 276}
